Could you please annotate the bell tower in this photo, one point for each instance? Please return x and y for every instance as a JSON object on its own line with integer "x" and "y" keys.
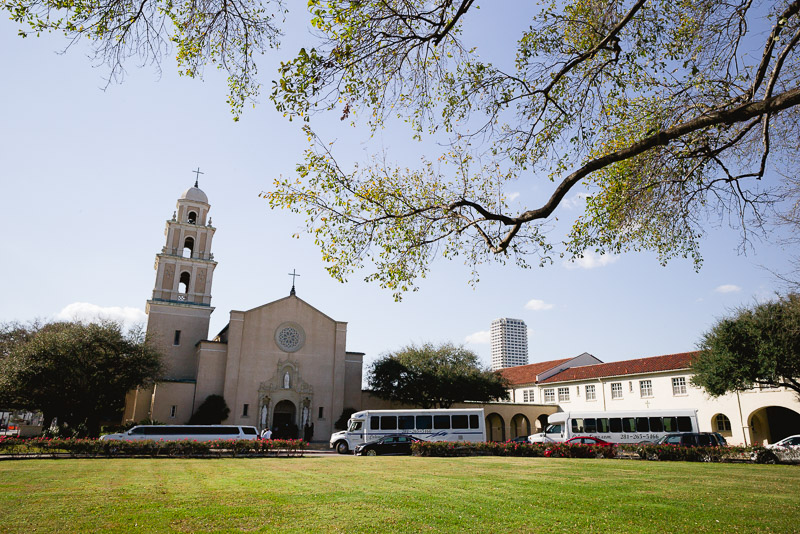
{"x": 179, "y": 312}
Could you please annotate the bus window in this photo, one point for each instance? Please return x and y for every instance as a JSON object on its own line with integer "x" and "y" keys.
{"x": 374, "y": 423}
{"x": 460, "y": 421}
{"x": 474, "y": 422}
{"x": 642, "y": 424}
{"x": 655, "y": 424}
{"x": 589, "y": 425}
{"x": 616, "y": 424}
{"x": 685, "y": 424}
{"x": 577, "y": 426}
{"x": 405, "y": 422}
{"x": 355, "y": 425}
{"x": 441, "y": 422}
{"x": 602, "y": 425}
{"x": 389, "y": 422}
{"x": 424, "y": 422}
{"x": 670, "y": 424}
{"x": 553, "y": 429}
{"x": 629, "y": 424}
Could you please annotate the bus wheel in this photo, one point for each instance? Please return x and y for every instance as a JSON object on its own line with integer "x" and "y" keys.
{"x": 342, "y": 448}
{"x": 372, "y": 452}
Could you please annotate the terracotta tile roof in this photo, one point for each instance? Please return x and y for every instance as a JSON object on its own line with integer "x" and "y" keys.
{"x": 627, "y": 367}
{"x": 526, "y": 374}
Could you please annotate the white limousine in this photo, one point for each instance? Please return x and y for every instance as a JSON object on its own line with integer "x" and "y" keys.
{"x": 184, "y": 432}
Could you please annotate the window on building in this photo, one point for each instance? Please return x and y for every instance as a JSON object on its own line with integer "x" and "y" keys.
{"x": 590, "y": 393}
{"x": 723, "y": 424}
{"x": 563, "y": 394}
{"x": 173, "y": 411}
{"x": 616, "y": 390}
{"x": 177, "y": 339}
{"x": 192, "y": 218}
{"x": 527, "y": 395}
{"x": 245, "y": 409}
{"x": 646, "y": 388}
{"x": 679, "y": 386}
{"x": 630, "y": 386}
{"x": 321, "y": 413}
{"x": 549, "y": 395}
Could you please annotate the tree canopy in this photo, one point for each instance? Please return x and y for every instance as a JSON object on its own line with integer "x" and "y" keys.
{"x": 213, "y": 411}
{"x": 432, "y": 376}
{"x": 78, "y": 373}
{"x": 665, "y": 116}
{"x": 757, "y": 346}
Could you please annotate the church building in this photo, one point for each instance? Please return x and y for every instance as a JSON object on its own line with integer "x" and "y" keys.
{"x": 282, "y": 365}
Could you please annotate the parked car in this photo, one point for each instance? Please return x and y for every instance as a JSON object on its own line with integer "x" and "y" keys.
{"x": 691, "y": 439}
{"x": 519, "y": 439}
{"x": 393, "y": 444}
{"x": 792, "y": 442}
{"x": 722, "y": 441}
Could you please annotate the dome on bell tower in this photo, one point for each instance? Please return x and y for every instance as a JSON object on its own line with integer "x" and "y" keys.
{"x": 196, "y": 194}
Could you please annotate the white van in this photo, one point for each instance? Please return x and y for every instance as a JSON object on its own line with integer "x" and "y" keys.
{"x": 429, "y": 425}
{"x": 633, "y": 426}
{"x": 184, "y": 432}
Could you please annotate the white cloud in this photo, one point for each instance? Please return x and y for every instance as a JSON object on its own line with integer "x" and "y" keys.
{"x": 538, "y": 305}
{"x": 591, "y": 260}
{"x": 86, "y": 312}
{"x": 728, "y": 288}
{"x": 575, "y": 201}
{"x": 513, "y": 196}
{"x": 478, "y": 338}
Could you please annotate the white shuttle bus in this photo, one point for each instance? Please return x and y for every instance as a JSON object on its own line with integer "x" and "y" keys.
{"x": 631, "y": 426}
{"x": 429, "y": 425}
{"x": 184, "y": 432}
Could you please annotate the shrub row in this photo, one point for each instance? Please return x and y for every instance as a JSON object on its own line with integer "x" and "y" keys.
{"x": 643, "y": 451}
{"x": 91, "y": 448}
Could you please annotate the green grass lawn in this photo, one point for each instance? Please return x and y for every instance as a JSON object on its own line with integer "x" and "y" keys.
{"x": 407, "y": 494}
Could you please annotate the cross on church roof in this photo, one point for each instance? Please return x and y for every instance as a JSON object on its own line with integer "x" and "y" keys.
{"x": 197, "y": 175}
{"x": 293, "y": 274}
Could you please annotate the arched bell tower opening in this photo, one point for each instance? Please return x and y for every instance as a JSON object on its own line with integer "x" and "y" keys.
{"x": 188, "y": 247}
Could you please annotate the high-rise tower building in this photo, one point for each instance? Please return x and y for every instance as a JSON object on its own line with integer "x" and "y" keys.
{"x": 509, "y": 343}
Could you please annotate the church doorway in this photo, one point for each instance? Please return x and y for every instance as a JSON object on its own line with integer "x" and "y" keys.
{"x": 284, "y": 419}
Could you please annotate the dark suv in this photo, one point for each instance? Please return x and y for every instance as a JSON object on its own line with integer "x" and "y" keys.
{"x": 691, "y": 439}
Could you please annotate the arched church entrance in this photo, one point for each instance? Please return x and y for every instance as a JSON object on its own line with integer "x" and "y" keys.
{"x": 495, "y": 427}
{"x": 773, "y": 423}
{"x": 520, "y": 426}
{"x": 284, "y": 420}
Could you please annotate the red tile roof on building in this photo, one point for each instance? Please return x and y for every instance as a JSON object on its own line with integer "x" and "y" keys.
{"x": 526, "y": 374}
{"x": 653, "y": 364}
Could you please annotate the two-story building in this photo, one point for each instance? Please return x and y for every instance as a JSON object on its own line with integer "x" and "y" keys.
{"x": 585, "y": 383}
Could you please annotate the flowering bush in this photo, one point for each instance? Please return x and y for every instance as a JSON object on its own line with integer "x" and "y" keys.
{"x": 55, "y": 447}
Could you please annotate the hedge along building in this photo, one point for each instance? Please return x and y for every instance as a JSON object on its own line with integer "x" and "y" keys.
{"x": 282, "y": 365}
{"x": 584, "y": 383}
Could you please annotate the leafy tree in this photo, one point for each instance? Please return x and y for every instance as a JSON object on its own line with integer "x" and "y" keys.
{"x": 78, "y": 373}
{"x": 434, "y": 376}
{"x": 755, "y": 346}
{"x": 664, "y": 115}
{"x": 341, "y": 423}
{"x": 213, "y": 411}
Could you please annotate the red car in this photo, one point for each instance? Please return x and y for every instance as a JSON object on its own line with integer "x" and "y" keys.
{"x": 587, "y": 440}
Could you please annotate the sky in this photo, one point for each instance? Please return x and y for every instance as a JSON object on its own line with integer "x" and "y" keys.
{"x": 90, "y": 175}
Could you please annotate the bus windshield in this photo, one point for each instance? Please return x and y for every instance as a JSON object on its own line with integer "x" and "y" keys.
{"x": 553, "y": 429}
{"x": 354, "y": 425}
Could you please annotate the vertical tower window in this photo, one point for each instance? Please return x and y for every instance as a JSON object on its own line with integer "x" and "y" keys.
{"x": 177, "y": 339}
{"x": 183, "y": 285}
{"x": 321, "y": 412}
{"x": 173, "y": 411}
{"x": 188, "y": 247}
{"x": 192, "y": 218}
{"x": 245, "y": 409}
